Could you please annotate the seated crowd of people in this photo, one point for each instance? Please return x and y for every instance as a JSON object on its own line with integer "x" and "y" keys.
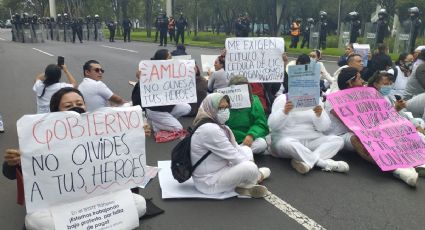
{"x": 270, "y": 126}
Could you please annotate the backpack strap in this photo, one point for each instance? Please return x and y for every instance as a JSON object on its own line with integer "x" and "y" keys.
{"x": 192, "y": 131}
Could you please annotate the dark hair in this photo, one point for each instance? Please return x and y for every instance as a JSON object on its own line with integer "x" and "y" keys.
{"x": 222, "y": 61}
{"x": 350, "y": 45}
{"x": 351, "y": 56}
{"x": 197, "y": 71}
{"x": 345, "y": 75}
{"x": 87, "y": 65}
{"x": 378, "y": 76}
{"x": 401, "y": 58}
{"x": 227, "y": 98}
{"x": 382, "y": 48}
{"x": 318, "y": 54}
{"x": 52, "y": 75}
{"x": 57, "y": 97}
{"x": 303, "y": 59}
{"x": 180, "y": 47}
{"x": 161, "y": 54}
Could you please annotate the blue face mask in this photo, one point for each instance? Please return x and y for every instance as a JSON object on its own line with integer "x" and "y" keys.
{"x": 385, "y": 90}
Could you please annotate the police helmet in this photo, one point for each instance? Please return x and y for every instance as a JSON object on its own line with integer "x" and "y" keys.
{"x": 96, "y": 15}
{"x": 353, "y": 15}
{"x": 414, "y": 10}
{"x": 310, "y": 20}
{"x": 323, "y": 14}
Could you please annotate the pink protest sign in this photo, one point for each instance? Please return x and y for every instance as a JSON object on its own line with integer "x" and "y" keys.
{"x": 391, "y": 139}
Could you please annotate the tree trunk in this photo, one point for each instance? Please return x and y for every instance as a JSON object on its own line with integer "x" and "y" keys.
{"x": 148, "y": 15}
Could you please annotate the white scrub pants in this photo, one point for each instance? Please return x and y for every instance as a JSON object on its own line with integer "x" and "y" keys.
{"x": 310, "y": 151}
{"x": 416, "y": 105}
{"x": 168, "y": 120}
{"x": 244, "y": 175}
{"x": 43, "y": 219}
{"x": 258, "y": 146}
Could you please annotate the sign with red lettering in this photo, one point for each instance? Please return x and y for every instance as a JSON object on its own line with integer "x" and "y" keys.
{"x": 167, "y": 82}
{"x": 257, "y": 59}
{"x": 391, "y": 139}
{"x": 68, "y": 156}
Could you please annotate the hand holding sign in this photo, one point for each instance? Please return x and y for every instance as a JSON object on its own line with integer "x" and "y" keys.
{"x": 12, "y": 157}
{"x": 318, "y": 110}
{"x": 288, "y": 107}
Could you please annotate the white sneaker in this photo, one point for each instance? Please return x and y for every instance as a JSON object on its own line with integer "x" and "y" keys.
{"x": 420, "y": 169}
{"x": 336, "y": 166}
{"x": 300, "y": 166}
{"x": 265, "y": 173}
{"x": 256, "y": 191}
{"x": 408, "y": 175}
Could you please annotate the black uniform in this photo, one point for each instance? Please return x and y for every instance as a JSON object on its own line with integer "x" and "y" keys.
{"x": 381, "y": 27}
{"x": 323, "y": 30}
{"x": 77, "y": 29}
{"x": 354, "y": 26}
{"x": 112, "y": 27}
{"x": 306, "y": 33}
{"x": 126, "y": 24}
{"x": 163, "y": 28}
{"x": 180, "y": 26}
{"x": 414, "y": 23}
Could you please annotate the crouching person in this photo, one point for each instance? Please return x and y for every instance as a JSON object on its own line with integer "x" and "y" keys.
{"x": 229, "y": 166}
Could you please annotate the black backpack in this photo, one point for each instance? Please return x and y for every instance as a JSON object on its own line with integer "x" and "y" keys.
{"x": 181, "y": 164}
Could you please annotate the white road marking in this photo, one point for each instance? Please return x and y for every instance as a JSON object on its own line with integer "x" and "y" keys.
{"x": 41, "y": 51}
{"x": 293, "y": 213}
{"x": 2, "y": 39}
{"x": 111, "y": 47}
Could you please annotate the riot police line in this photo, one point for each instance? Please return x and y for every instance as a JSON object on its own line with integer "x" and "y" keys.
{"x": 27, "y": 29}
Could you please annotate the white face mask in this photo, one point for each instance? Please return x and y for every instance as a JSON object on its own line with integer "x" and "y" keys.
{"x": 223, "y": 115}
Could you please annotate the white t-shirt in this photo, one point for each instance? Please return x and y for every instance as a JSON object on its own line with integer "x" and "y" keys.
{"x": 96, "y": 93}
{"x": 43, "y": 103}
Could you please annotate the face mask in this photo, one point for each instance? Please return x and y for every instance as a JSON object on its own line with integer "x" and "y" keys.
{"x": 408, "y": 65}
{"x": 223, "y": 115}
{"x": 385, "y": 90}
{"x": 77, "y": 109}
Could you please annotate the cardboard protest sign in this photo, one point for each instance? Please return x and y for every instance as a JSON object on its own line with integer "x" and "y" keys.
{"x": 208, "y": 62}
{"x": 109, "y": 211}
{"x": 182, "y": 57}
{"x": 68, "y": 156}
{"x": 238, "y": 94}
{"x": 391, "y": 139}
{"x": 257, "y": 59}
{"x": 363, "y": 50}
{"x": 304, "y": 85}
{"x": 167, "y": 82}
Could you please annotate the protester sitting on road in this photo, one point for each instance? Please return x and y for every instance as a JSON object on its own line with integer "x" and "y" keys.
{"x": 229, "y": 166}
{"x": 249, "y": 125}
{"x": 298, "y": 135}
{"x": 415, "y": 92}
{"x": 302, "y": 59}
{"x": 97, "y": 94}
{"x": 401, "y": 73}
{"x": 48, "y": 83}
{"x": 418, "y": 56}
{"x": 218, "y": 78}
{"x": 201, "y": 92}
{"x": 353, "y": 60}
{"x": 65, "y": 99}
{"x": 325, "y": 77}
{"x": 343, "y": 59}
{"x": 350, "y": 78}
{"x": 180, "y": 50}
{"x": 379, "y": 61}
{"x": 163, "y": 118}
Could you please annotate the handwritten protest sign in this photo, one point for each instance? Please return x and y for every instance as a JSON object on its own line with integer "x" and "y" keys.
{"x": 208, "y": 62}
{"x": 363, "y": 50}
{"x": 391, "y": 140}
{"x": 182, "y": 57}
{"x": 258, "y": 59}
{"x": 67, "y": 156}
{"x": 304, "y": 85}
{"x": 238, "y": 94}
{"x": 109, "y": 211}
{"x": 167, "y": 82}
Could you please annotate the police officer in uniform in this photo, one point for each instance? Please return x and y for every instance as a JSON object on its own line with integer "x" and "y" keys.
{"x": 112, "y": 27}
{"x": 66, "y": 24}
{"x": 306, "y": 32}
{"x": 181, "y": 24}
{"x": 415, "y": 24}
{"x": 34, "y": 27}
{"x": 77, "y": 29}
{"x": 88, "y": 22}
{"x": 163, "y": 28}
{"x": 126, "y": 24}
{"x": 381, "y": 26}
{"x": 96, "y": 27}
{"x": 355, "y": 25}
{"x": 323, "y": 22}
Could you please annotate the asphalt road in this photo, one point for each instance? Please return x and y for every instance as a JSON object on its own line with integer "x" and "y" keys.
{"x": 364, "y": 198}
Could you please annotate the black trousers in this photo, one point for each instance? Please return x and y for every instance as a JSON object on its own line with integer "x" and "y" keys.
{"x": 180, "y": 33}
{"x": 126, "y": 34}
{"x": 163, "y": 37}
{"x": 111, "y": 35}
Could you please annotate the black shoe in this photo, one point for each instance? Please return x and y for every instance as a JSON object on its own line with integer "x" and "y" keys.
{"x": 160, "y": 45}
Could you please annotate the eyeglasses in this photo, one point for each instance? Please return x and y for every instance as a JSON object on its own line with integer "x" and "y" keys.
{"x": 98, "y": 70}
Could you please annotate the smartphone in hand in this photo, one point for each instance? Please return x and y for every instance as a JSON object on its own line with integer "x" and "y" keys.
{"x": 398, "y": 97}
{"x": 61, "y": 61}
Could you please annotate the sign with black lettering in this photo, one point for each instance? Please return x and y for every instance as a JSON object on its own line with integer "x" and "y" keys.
{"x": 167, "y": 82}
{"x": 68, "y": 156}
{"x": 238, "y": 94}
{"x": 257, "y": 59}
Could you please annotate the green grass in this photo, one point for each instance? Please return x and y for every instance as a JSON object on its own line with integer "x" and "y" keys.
{"x": 208, "y": 39}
